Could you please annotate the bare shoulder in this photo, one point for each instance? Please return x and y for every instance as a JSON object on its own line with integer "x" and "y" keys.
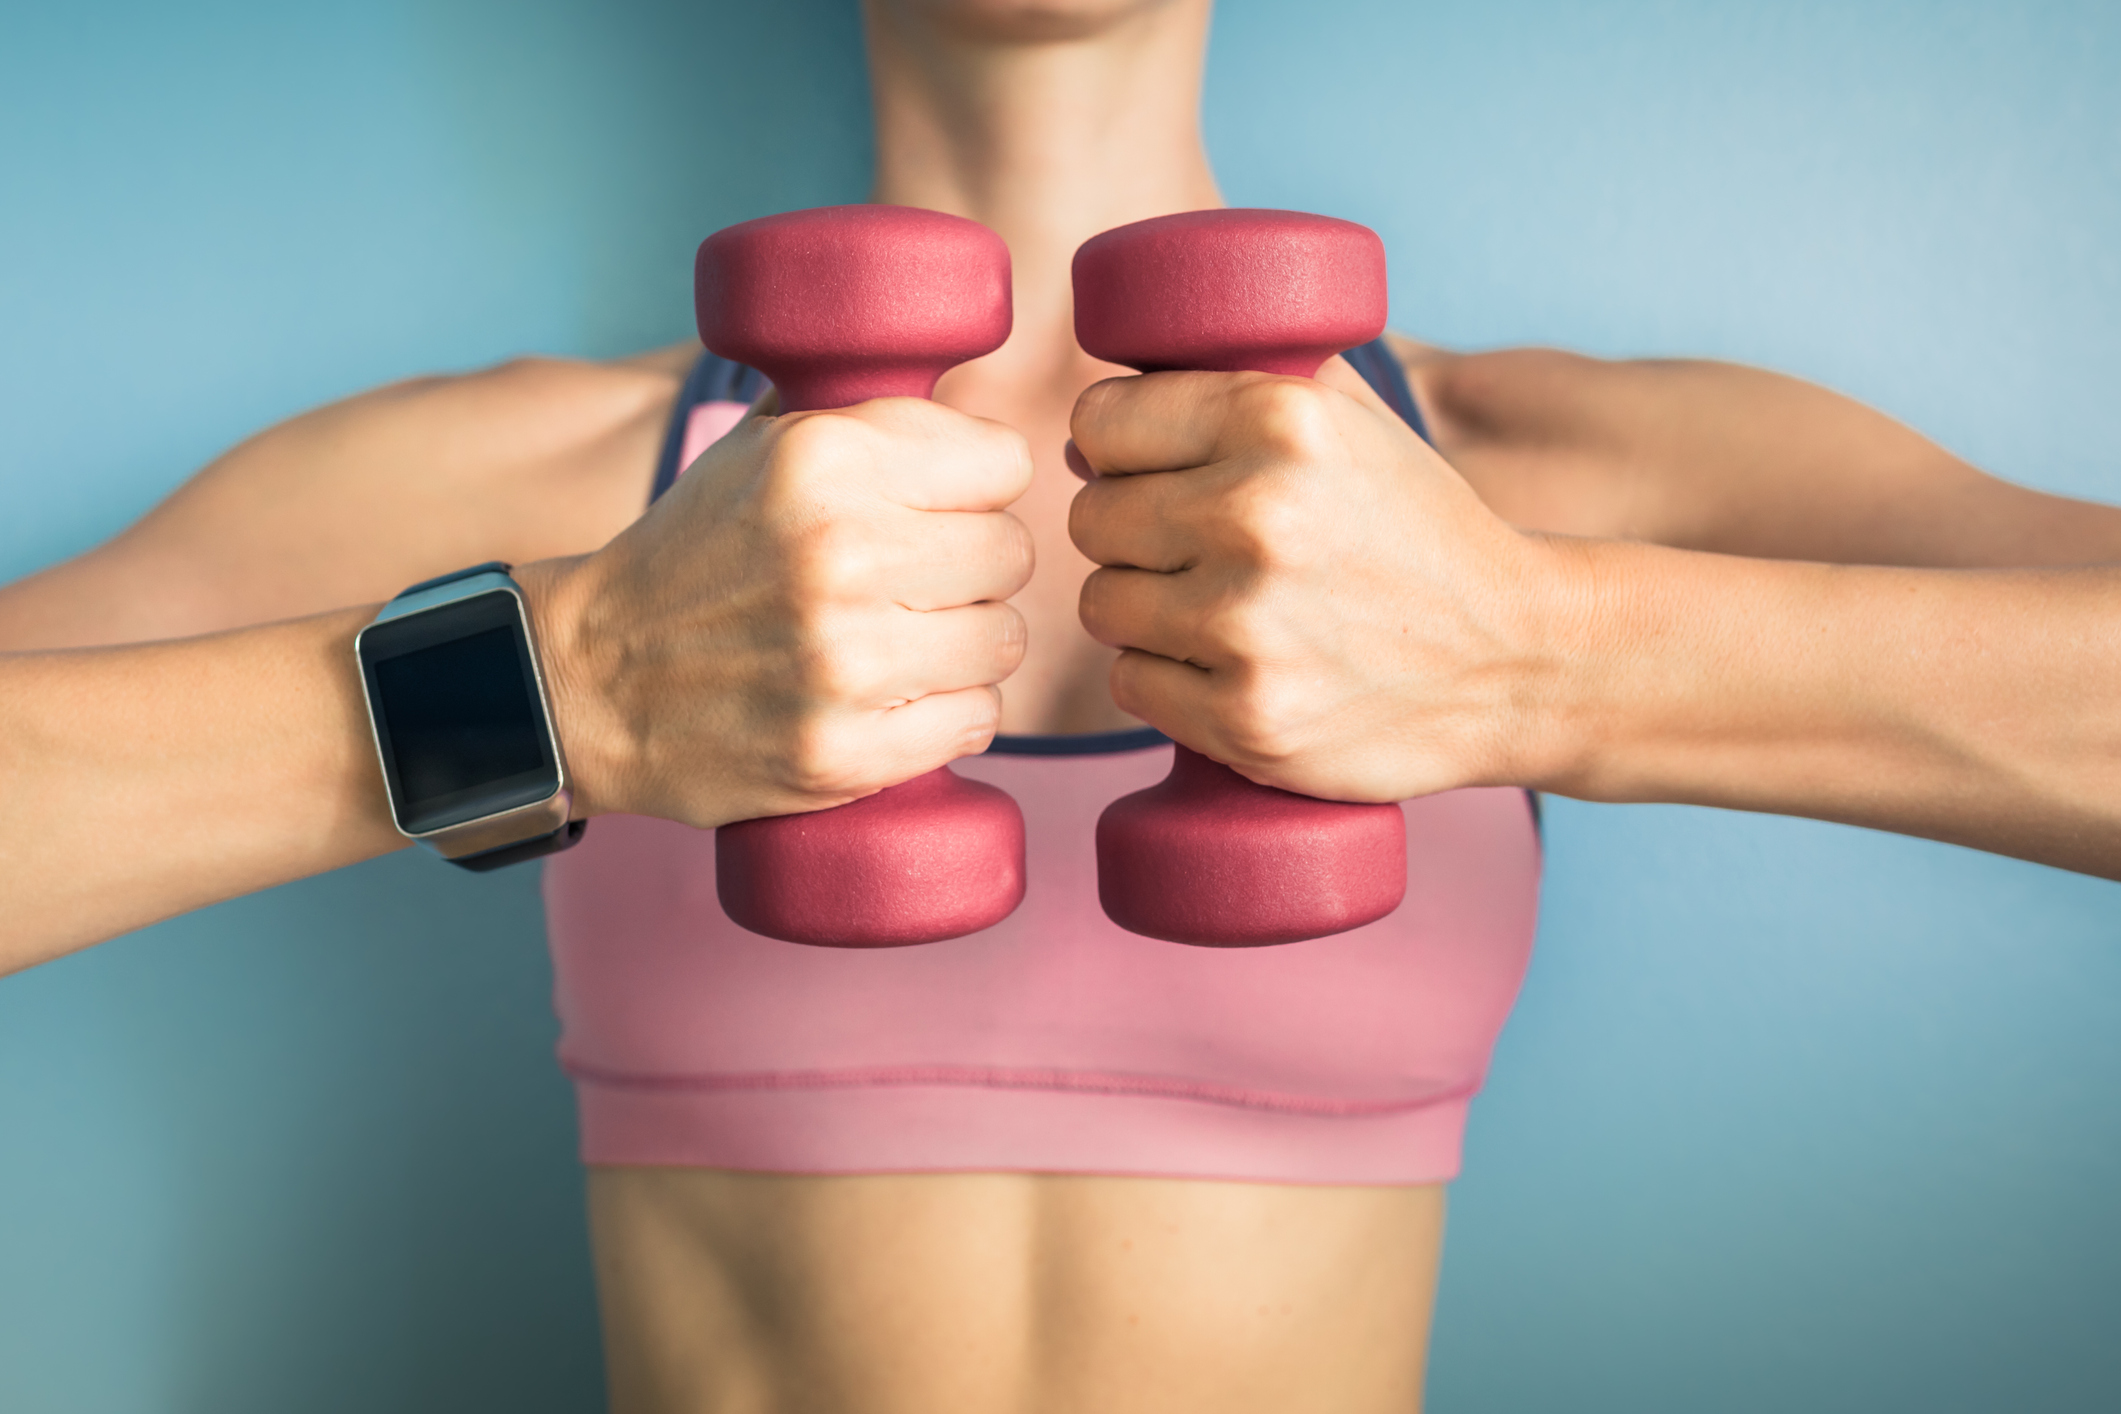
{"x": 544, "y": 390}
{"x": 672, "y": 360}
{"x": 1690, "y": 452}
{"x": 1507, "y": 395}
{"x": 1541, "y": 395}
{"x": 520, "y": 461}
{"x": 1550, "y": 439}
{"x": 523, "y": 460}
{"x": 562, "y": 426}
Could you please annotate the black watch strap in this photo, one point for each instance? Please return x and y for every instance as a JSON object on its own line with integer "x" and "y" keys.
{"x": 567, "y": 837}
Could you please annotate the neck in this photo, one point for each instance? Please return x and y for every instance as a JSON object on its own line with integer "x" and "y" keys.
{"x": 1046, "y": 137}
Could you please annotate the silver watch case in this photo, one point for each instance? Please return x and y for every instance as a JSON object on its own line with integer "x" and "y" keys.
{"x": 505, "y": 827}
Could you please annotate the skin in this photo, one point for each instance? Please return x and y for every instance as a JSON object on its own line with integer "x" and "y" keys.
{"x": 1304, "y": 590}
{"x": 532, "y": 460}
{"x": 697, "y": 667}
{"x": 950, "y": 1294}
{"x": 1050, "y": 123}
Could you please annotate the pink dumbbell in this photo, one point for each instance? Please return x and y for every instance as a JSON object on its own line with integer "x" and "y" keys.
{"x": 1205, "y": 856}
{"x": 836, "y": 306}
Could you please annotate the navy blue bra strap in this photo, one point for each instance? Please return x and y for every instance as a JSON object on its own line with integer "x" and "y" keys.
{"x": 1079, "y": 744}
{"x": 1380, "y": 368}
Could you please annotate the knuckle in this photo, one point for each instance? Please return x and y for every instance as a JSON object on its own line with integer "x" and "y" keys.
{"x": 1012, "y": 637}
{"x": 1268, "y": 519}
{"x": 1258, "y": 718}
{"x": 1232, "y": 628}
{"x": 1008, "y": 630}
{"x": 1019, "y": 550}
{"x": 822, "y": 762}
{"x": 1290, "y": 416}
{"x": 1095, "y": 403}
{"x": 1101, "y": 608}
{"x": 832, "y": 559}
{"x": 1124, "y": 682}
{"x": 981, "y": 720}
{"x": 1090, "y": 599}
{"x": 1008, "y": 449}
{"x": 1086, "y": 519}
{"x": 818, "y": 444}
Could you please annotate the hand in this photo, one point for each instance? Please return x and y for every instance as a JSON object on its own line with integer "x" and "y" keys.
{"x": 1301, "y": 588}
{"x": 812, "y": 614}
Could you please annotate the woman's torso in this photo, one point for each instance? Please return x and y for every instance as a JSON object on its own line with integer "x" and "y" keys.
{"x": 1328, "y": 1079}
{"x": 987, "y": 1293}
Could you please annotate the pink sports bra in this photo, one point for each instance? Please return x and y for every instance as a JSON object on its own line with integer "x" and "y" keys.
{"x": 1053, "y": 1042}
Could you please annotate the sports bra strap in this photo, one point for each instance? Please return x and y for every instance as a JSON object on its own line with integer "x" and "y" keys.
{"x": 713, "y": 379}
{"x": 1381, "y": 369}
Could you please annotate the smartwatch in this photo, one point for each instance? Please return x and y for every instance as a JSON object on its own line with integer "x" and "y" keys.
{"x": 462, "y": 725}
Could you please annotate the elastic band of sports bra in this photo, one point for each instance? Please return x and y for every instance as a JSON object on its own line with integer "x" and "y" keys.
{"x": 1009, "y": 1078}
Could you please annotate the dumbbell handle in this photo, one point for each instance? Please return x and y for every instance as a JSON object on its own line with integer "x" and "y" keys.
{"x": 837, "y": 306}
{"x": 1207, "y": 856}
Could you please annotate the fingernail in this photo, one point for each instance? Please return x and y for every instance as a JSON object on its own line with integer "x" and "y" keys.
{"x": 1077, "y": 462}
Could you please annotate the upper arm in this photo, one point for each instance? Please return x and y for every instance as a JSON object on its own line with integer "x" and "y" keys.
{"x": 349, "y": 503}
{"x": 1713, "y": 456}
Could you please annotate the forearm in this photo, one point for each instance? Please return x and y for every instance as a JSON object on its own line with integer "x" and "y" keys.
{"x": 717, "y": 661}
{"x": 1982, "y": 708}
{"x": 146, "y": 781}
{"x": 123, "y": 591}
{"x": 1305, "y": 592}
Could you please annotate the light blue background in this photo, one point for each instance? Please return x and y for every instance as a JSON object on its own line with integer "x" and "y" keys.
{"x": 1791, "y": 1116}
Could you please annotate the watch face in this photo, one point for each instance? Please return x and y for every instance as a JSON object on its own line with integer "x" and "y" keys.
{"x": 457, "y": 713}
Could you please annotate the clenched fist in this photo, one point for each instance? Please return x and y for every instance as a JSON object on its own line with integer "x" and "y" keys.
{"x": 1303, "y": 590}
{"x": 813, "y": 613}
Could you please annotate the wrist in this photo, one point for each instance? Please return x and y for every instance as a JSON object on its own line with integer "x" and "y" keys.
{"x": 1566, "y": 603}
{"x": 561, "y": 596}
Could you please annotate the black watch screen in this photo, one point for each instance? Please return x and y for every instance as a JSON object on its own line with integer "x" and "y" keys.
{"x": 457, "y": 712}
